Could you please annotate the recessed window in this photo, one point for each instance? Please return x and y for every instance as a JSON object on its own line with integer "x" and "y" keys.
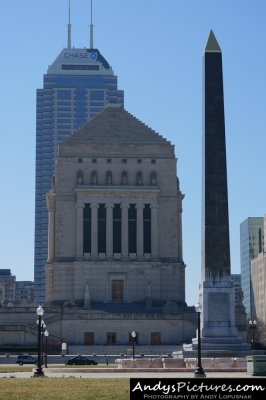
{"x": 139, "y": 161}
{"x": 111, "y": 338}
{"x": 153, "y": 161}
{"x": 124, "y": 160}
{"x": 89, "y": 338}
{"x": 94, "y": 178}
{"x": 109, "y": 178}
{"x": 124, "y": 179}
{"x": 94, "y": 160}
{"x": 132, "y": 229}
{"x": 117, "y": 221}
{"x": 80, "y": 160}
{"x": 87, "y": 229}
{"x": 153, "y": 178}
{"x": 109, "y": 160}
{"x": 79, "y": 177}
{"x": 101, "y": 228}
{"x": 117, "y": 291}
{"x": 155, "y": 338}
{"x": 139, "y": 178}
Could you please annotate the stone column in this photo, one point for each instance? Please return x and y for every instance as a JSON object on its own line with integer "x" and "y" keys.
{"x": 125, "y": 208}
{"x": 79, "y": 233}
{"x": 140, "y": 244}
{"x": 154, "y": 230}
{"x": 50, "y": 200}
{"x": 109, "y": 230}
{"x": 94, "y": 229}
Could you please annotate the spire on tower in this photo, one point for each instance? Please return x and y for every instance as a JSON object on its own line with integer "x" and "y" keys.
{"x": 69, "y": 28}
{"x": 91, "y": 30}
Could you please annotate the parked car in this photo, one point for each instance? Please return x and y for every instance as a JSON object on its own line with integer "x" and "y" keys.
{"x": 80, "y": 360}
{"x": 26, "y": 360}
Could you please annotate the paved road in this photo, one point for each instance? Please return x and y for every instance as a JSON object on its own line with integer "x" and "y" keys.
{"x": 138, "y": 374}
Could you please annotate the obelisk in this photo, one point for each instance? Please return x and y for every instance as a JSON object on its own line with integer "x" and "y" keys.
{"x": 217, "y": 294}
{"x": 215, "y": 221}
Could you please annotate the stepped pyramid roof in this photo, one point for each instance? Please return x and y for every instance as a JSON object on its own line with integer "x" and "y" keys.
{"x": 116, "y": 126}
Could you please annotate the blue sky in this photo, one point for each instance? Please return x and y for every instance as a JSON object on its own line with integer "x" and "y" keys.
{"x": 155, "y": 48}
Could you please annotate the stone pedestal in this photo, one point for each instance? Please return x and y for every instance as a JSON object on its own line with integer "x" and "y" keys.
{"x": 256, "y": 365}
{"x": 218, "y": 330}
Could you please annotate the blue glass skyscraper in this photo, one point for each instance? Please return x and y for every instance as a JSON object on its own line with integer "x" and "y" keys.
{"x": 78, "y": 85}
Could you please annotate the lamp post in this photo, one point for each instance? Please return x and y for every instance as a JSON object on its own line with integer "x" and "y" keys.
{"x": 253, "y": 326}
{"x": 46, "y": 334}
{"x": 199, "y": 372}
{"x": 43, "y": 328}
{"x": 133, "y": 336}
{"x": 39, "y": 372}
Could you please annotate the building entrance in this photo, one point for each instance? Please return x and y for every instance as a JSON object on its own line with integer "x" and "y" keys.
{"x": 117, "y": 291}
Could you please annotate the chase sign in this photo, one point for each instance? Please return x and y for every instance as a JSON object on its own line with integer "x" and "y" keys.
{"x": 79, "y": 55}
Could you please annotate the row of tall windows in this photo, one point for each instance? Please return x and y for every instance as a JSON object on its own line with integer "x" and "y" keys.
{"x": 117, "y": 226}
{"x": 109, "y": 178}
{"x": 117, "y": 229}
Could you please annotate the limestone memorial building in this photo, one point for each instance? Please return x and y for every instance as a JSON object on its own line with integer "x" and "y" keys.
{"x": 115, "y": 233}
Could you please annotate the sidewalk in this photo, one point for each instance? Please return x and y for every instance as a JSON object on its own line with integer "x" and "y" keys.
{"x": 100, "y": 374}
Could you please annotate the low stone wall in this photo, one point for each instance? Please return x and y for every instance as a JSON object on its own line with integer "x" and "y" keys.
{"x": 140, "y": 363}
{"x": 187, "y": 363}
{"x": 217, "y": 363}
{"x": 173, "y": 363}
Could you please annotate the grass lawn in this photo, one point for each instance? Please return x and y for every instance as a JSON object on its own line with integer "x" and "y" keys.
{"x": 64, "y": 388}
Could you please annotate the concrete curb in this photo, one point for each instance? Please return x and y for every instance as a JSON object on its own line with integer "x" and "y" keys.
{"x": 121, "y": 370}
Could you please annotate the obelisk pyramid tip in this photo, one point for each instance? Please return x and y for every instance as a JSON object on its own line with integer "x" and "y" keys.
{"x": 212, "y": 45}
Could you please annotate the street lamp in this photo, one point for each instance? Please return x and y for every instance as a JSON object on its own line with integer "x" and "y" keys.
{"x": 43, "y": 328}
{"x": 199, "y": 372}
{"x": 253, "y": 326}
{"x": 133, "y": 336}
{"x": 39, "y": 372}
{"x": 46, "y": 334}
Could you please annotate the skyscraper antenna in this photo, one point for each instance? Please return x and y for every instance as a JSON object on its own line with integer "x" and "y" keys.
{"x": 69, "y": 28}
{"x": 91, "y": 30}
